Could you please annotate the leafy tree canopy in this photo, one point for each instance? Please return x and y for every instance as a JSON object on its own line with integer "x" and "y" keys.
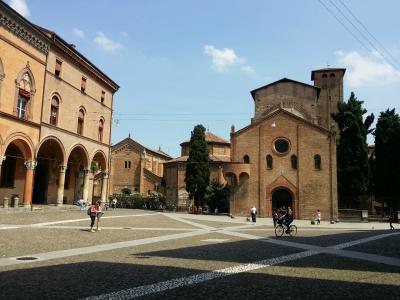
{"x": 352, "y": 150}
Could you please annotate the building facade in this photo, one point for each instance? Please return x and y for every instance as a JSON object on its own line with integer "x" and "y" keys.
{"x": 287, "y": 155}
{"x": 136, "y": 168}
{"x": 65, "y": 143}
{"x": 23, "y": 52}
{"x": 175, "y": 169}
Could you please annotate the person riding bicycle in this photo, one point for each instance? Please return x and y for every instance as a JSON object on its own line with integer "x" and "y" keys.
{"x": 286, "y": 217}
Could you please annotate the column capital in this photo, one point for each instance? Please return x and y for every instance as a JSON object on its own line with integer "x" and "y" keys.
{"x": 62, "y": 168}
{"x": 105, "y": 175}
{"x": 85, "y": 172}
{"x": 30, "y": 164}
{"x": 2, "y": 158}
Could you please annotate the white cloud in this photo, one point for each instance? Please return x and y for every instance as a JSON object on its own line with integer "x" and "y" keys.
{"x": 368, "y": 69}
{"x": 248, "y": 69}
{"x": 105, "y": 43}
{"x": 222, "y": 59}
{"x": 21, "y": 7}
{"x": 79, "y": 33}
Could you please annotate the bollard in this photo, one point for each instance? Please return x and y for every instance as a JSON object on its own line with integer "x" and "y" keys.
{"x": 5, "y": 202}
{"x": 16, "y": 200}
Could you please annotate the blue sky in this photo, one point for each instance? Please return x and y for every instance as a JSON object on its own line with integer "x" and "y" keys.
{"x": 183, "y": 62}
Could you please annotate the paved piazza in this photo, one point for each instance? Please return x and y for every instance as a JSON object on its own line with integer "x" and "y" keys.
{"x": 179, "y": 256}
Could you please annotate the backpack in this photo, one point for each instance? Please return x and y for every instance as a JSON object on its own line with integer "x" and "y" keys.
{"x": 89, "y": 211}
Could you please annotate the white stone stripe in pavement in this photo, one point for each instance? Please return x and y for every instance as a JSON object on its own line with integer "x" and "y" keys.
{"x": 98, "y": 248}
{"x": 198, "y": 278}
{"x": 176, "y": 218}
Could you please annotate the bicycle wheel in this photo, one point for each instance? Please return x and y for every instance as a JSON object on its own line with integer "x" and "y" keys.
{"x": 292, "y": 230}
{"x": 279, "y": 230}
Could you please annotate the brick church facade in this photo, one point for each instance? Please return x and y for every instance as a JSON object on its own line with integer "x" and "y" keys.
{"x": 286, "y": 156}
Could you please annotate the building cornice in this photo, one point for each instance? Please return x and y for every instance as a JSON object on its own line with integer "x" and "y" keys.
{"x": 74, "y": 134}
{"x": 22, "y": 28}
{"x": 16, "y": 119}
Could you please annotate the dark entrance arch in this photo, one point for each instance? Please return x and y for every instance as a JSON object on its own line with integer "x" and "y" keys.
{"x": 281, "y": 197}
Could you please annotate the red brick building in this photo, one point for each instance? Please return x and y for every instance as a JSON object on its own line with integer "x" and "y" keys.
{"x": 286, "y": 156}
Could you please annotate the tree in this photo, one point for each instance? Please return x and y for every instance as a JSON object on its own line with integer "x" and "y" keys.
{"x": 387, "y": 159}
{"x": 216, "y": 196}
{"x": 353, "y": 171}
{"x": 197, "y": 166}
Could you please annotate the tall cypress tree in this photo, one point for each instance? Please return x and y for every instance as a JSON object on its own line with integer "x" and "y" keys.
{"x": 387, "y": 159}
{"x": 197, "y": 174}
{"x": 353, "y": 170}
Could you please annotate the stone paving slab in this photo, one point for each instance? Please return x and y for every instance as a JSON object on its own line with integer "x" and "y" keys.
{"x": 317, "y": 277}
{"x": 25, "y": 241}
{"x": 320, "y": 237}
{"x": 389, "y": 246}
{"x": 123, "y": 268}
{"x": 135, "y": 221}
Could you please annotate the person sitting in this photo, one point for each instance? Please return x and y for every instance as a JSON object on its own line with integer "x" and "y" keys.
{"x": 81, "y": 204}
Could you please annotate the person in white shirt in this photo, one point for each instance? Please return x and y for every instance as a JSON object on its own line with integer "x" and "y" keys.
{"x": 253, "y": 212}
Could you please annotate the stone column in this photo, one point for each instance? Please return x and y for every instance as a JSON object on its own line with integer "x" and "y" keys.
{"x": 85, "y": 191}
{"x": 104, "y": 188}
{"x": 61, "y": 182}
{"x": 28, "y": 188}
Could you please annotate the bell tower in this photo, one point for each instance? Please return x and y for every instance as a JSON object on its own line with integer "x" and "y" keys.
{"x": 330, "y": 81}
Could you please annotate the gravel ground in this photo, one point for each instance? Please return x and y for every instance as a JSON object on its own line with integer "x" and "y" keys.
{"x": 24, "y": 241}
{"x": 143, "y": 221}
{"x": 389, "y": 246}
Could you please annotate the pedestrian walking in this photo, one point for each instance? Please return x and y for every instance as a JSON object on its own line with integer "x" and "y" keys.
{"x": 391, "y": 219}
{"x": 275, "y": 217}
{"x": 95, "y": 212}
{"x": 318, "y": 217}
{"x": 114, "y": 203}
{"x": 253, "y": 212}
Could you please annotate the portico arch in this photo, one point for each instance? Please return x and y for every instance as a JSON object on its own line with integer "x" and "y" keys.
{"x": 50, "y": 157}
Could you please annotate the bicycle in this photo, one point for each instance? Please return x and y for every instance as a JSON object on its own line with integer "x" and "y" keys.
{"x": 281, "y": 228}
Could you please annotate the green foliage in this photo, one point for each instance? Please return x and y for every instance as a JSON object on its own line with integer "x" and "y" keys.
{"x": 353, "y": 168}
{"x": 154, "y": 200}
{"x": 197, "y": 166}
{"x": 216, "y": 196}
{"x": 94, "y": 166}
{"x": 387, "y": 159}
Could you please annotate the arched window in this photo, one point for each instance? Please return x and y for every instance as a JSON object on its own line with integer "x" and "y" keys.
{"x": 324, "y": 81}
{"x": 81, "y": 121}
{"x": 24, "y": 86}
{"x": 246, "y": 159}
{"x": 101, "y": 127}
{"x": 293, "y": 160}
{"x": 269, "y": 161}
{"x": 332, "y": 75}
{"x": 317, "y": 162}
{"x": 55, "y": 103}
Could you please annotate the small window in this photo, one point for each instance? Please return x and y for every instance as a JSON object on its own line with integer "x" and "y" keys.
{"x": 57, "y": 70}
{"x": 246, "y": 159}
{"x": 81, "y": 121}
{"x": 317, "y": 162}
{"x": 54, "y": 111}
{"x": 269, "y": 161}
{"x": 127, "y": 164}
{"x": 101, "y": 127}
{"x": 103, "y": 96}
{"x": 83, "y": 84}
{"x": 332, "y": 75}
{"x": 293, "y": 160}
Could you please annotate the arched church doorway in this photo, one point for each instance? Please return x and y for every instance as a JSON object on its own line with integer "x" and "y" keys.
{"x": 281, "y": 197}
